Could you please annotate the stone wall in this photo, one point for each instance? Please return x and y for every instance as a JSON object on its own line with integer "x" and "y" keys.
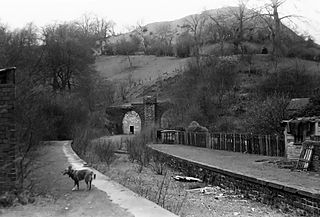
{"x": 266, "y": 192}
{"x": 315, "y": 160}
{"x": 149, "y": 110}
{"x": 8, "y": 173}
{"x": 131, "y": 119}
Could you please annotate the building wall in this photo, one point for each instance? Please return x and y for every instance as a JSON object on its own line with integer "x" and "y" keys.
{"x": 149, "y": 111}
{"x": 264, "y": 191}
{"x": 131, "y": 118}
{"x": 8, "y": 173}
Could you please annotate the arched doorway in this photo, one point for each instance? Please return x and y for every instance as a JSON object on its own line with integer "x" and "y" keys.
{"x": 131, "y": 123}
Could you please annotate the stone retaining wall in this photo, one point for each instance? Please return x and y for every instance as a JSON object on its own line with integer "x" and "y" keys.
{"x": 263, "y": 191}
{"x": 8, "y": 173}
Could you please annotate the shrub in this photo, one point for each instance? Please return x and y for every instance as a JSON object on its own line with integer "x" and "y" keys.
{"x": 158, "y": 162}
{"x": 137, "y": 147}
{"x": 288, "y": 81}
{"x": 265, "y": 116}
{"x": 105, "y": 151}
{"x": 138, "y": 151}
{"x": 183, "y": 45}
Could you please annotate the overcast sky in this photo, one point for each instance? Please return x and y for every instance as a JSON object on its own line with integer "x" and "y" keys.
{"x": 16, "y": 13}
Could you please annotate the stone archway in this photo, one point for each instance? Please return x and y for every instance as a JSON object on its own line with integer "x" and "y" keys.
{"x": 131, "y": 123}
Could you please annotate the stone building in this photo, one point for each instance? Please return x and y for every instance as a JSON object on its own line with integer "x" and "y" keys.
{"x": 8, "y": 149}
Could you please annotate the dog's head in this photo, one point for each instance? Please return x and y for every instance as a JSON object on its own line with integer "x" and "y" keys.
{"x": 67, "y": 171}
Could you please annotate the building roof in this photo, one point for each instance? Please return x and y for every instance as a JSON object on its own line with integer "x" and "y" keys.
{"x": 298, "y": 104}
{"x": 303, "y": 119}
{"x": 7, "y": 69}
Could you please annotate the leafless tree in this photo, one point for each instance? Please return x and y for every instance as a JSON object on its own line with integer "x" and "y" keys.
{"x": 195, "y": 25}
{"x": 273, "y": 21}
{"x": 219, "y": 29}
{"x": 242, "y": 15}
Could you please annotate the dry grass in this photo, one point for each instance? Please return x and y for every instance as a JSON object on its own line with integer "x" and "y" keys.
{"x": 176, "y": 197}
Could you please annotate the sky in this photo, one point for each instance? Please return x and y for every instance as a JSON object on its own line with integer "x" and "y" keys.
{"x": 125, "y": 13}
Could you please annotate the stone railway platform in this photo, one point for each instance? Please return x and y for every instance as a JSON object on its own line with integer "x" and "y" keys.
{"x": 251, "y": 175}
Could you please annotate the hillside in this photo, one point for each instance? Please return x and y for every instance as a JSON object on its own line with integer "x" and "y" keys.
{"x": 149, "y": 71}
{"x": 145, "y": 71}
{"x": 236, "y": 78}
{"x": 226, "y": 17}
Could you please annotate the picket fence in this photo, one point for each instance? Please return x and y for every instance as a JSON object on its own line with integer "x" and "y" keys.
{"x": 268, "y": 145}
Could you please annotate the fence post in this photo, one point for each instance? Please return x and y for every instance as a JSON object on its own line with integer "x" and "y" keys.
{"x": 220, "y": 144}
{"x": 252, "y": 145}
{"x": 266, "y": 138}
{"x": 277, "y": 143}
{"x": 234, "y": 142}
{"x": 225, "y": 142}
{"x": 240, "y": 140}
{"x": 269, "y": 146}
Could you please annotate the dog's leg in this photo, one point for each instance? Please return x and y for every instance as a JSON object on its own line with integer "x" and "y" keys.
{"x": 78, "y": 185}
{"x": 74, "y": 187}
{"x": 87, "y": 185}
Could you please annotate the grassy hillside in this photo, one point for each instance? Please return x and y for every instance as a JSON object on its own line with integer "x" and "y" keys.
{"x": 145, "y": 71}
{"x": 150, "y": 72}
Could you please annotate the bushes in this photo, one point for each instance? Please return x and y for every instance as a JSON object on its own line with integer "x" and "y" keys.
{"x": 139, "y": 152}
{"x": 289, "y": 81}
{"x": 184, "y": 45}
{"x": 265, "y": 116}
{"x": 93, "y": 150}
{"x": 105, "y": 151}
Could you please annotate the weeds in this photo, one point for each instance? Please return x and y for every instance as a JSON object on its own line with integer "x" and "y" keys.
{"x": 98, "y": 151}
{"x": 158, "y": 163}
{"x": 105, "y": 151}
{"x": 138, "y": 150}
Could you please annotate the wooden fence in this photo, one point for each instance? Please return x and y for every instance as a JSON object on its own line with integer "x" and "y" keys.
{"x": 269, "y": 145}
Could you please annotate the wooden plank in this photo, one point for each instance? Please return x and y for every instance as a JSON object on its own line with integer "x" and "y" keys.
{"x": 225, "y": 142}
{"x": 305, "y": 157}
{"x": 240, "y": 140}
{"x": 234, "y": 142}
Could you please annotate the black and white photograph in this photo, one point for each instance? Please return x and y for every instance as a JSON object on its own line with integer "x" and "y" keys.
{"x": 160, "y": 108}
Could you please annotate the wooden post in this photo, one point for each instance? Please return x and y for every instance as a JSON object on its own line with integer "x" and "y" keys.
{"x": 240, "y": 140}
{"x": 266, "y": 138}
{"x": 234, "y": 142}
{"x": 220, "y": 144}
{"x": 225, "y": 142}
{"x": 252, "y": 145}
{"x": 277, "y": 143}
{"x": 269, "y": 146}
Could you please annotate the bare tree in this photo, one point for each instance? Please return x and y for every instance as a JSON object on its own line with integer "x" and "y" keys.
{"x": 195, "y": 25}
{"x": 219, "y": 29}
{"x": 242, "y": 15}
{"x": 164, "y": 38}
{"x": 274, "y": 24}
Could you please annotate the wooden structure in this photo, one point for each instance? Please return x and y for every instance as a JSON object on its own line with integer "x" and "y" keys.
{"x": 269, "y": 145}
{"x": 305, "y": 157}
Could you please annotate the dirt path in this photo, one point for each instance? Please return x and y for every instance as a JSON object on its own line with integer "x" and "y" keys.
{"x": 55, "y": 195}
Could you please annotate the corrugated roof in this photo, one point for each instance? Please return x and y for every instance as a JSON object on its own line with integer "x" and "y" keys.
{"x": 7, "y": 69}
{"x": 298, "y": 104}
{"x": 303, "y": 119}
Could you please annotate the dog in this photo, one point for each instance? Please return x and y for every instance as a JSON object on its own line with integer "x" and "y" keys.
{"x": 78, "y": 175}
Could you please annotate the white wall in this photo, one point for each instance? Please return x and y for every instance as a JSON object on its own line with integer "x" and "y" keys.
{"x": 131, "y": 118}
